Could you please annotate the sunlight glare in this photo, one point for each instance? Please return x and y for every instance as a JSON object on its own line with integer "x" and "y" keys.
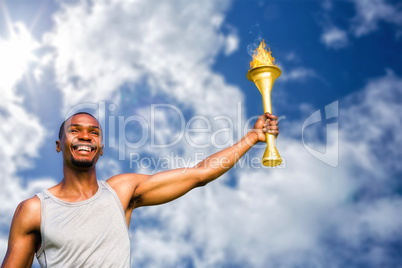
{"x": 15, "y": 55}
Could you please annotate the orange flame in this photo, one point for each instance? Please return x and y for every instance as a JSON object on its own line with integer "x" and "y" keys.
{"x": 262, "y": 57}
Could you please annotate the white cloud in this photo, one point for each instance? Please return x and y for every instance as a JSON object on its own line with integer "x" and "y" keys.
{"x": 170, "y": 45}
{"x": 370, "y": 13}
{"x": 108, "y": 167}
{"x": 334, "y": 38}
{"x": 15, "y": 53}
{"x": 379, "y": 116}
{"x": 21, "y": 134}
{"x": 232, "y": 44}
{"x": 297, "y": 74}
{"x": 368, "y": 16}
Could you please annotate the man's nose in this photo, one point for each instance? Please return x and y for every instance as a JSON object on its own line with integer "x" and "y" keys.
{"x": 84, "y": 135}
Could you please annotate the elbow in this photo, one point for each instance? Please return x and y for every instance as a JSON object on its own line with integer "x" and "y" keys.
{"x": 201, "y": 183}
{"x": 203, "y": 176}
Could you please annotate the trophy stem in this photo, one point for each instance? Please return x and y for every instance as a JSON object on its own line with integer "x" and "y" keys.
{"x": 264, "y": 78}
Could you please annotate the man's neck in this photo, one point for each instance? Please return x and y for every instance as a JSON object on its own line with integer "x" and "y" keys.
{"x": 77, "y": 184}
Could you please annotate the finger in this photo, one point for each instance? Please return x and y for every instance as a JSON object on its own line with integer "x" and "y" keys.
{"x": 275, "y": 133}
{"x": 270, "y": 128}
{"x": 262, "y": 117}
{"x": 270, "y": 123}
{"x": 273, "y": 128}
{"x": 270, "y": 131}
{"x": 271, "y": 116}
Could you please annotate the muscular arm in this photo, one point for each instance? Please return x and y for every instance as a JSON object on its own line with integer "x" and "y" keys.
{"x": 24, "y": 236}
{"x": 162, "y": 187}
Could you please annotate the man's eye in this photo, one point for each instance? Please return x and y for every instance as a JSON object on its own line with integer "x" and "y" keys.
{"x": 73, "y": 130}
{"x": 95, "y": 133}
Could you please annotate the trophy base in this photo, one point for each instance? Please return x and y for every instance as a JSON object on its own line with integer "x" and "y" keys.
{"x": 271, "y": 157}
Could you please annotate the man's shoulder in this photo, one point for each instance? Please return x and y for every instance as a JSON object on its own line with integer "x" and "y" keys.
{"x": 126, "y": 180}
{"x": 125, "y": 184}
{"x": 30, "y": 205}
{"x": 28, "y": 214}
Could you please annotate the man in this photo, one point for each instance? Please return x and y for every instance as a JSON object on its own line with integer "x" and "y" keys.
{"x": 83, "y": 222}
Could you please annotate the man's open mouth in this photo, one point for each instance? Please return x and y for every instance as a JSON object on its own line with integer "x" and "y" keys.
{"x": 83, "y": 148}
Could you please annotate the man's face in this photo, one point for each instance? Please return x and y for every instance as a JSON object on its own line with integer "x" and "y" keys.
{"x": 81, "y": 141}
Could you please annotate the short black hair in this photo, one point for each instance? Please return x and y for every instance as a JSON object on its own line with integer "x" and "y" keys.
{"x": 61, "y": 130}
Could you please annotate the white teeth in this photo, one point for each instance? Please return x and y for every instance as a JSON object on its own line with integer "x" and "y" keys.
{"x": 84, "y": 148}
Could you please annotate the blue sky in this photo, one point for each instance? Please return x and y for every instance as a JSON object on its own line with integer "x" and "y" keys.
{"x": 167, "y": 80}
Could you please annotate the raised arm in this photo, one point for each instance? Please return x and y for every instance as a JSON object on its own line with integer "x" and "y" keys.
{"x": 166, "y": 186}
{"x": 24, "y": 236}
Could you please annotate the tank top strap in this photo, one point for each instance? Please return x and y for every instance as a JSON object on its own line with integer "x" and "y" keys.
{"x": 43, "y": 197}
{"x": 103, "y": 184}
{"x": 116, "y": 198}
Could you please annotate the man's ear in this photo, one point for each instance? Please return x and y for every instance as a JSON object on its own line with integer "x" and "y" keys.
{"x": 58, "y": 146}
{"x": 101, "y": 149}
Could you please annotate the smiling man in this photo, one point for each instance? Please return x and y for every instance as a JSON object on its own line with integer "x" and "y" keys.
{"x": 82, "y": 221}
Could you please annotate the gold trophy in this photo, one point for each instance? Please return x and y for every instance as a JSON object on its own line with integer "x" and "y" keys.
{"x": 263, "y": 73}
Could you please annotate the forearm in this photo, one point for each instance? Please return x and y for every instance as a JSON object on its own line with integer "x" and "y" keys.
{"x": 168, "y": 185}
{"x": 220, "y": 162}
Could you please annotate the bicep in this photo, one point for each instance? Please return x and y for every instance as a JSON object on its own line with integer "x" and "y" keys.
{"x": 20, "y": 251}
{"x": 165, "y": 186}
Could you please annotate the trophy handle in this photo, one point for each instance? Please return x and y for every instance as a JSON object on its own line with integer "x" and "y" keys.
{"x": 271, "y": 157}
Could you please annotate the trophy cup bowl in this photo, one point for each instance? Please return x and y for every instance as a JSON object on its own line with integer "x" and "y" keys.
{"x": 264, "y": 78}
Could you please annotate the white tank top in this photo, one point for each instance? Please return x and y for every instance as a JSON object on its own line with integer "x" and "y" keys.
{"x": 89, "y": 233}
